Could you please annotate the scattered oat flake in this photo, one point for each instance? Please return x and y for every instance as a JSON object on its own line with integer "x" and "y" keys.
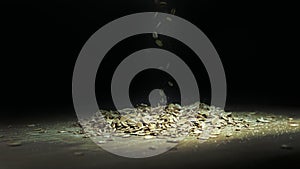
{"x": 287, "y": 147}
{"x": 31, "y": 125}
{"x": 78, "y": 153}
{"x": 262, "y": 120}
{"x": 148, "y": 137}
{"x": 152, "y": 148}
{"x": 294, "y": 124}
{"x": 126, "y": 136}
{"x": 101, "y": 142}
{"x": 173, "y": 141}
{"x": 228, "y": 134}
{"x": 14, "y": 143}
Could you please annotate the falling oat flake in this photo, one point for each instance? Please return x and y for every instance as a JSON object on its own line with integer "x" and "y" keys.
{"x": 158, "y": 42}
{"x": 169, "y": 19}
{"x": 170, "y": 83}
{"x": 155, "y": 35}
{"x": 173, "y": 11}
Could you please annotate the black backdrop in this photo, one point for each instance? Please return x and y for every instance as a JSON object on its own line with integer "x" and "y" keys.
{"x": 257, "y": 43}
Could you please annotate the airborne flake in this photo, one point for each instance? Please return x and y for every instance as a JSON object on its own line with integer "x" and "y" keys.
{"x": 169, "y": 19}
{"x": 155, "y": 35}
{"x": 158, "y": 42}
{"x": 173, "y": 11}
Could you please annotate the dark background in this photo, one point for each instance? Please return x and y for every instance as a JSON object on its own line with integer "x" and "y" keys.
{"x": 257, "y": 43}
